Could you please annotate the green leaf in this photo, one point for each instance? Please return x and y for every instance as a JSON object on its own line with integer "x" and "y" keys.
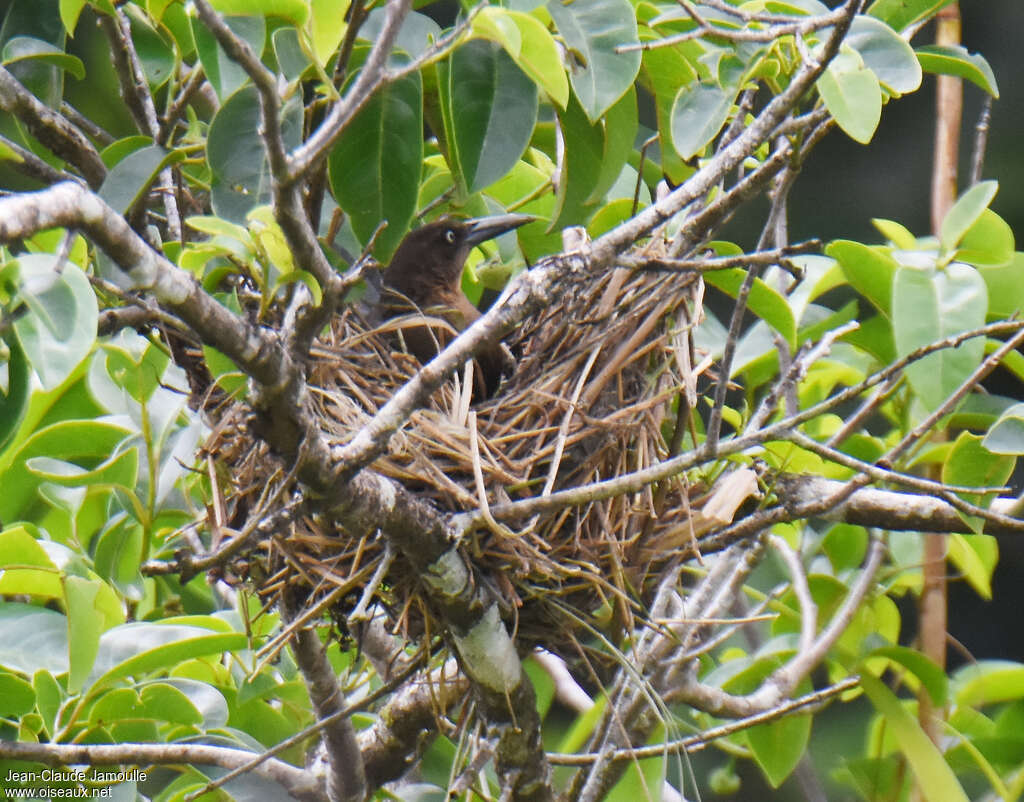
{"x": 928, "y": 306}
{"x": 664, "y": 71}
{"x": 1007, "y": 434}
{"x": 327, "y": 23}
{"x": 375, "y": 166}
{"x": 778, "y": 745}
{"x": 69, "y": 13}
{"x": 85, "y": 625}
{"x": 17, "y": 697}
{"x": 14, "y": 397}
{"x": 620, "y": 127}
{"x": 225, "y": 75}
{"x": 35, "y": 639}
{"x": 934, "y": 777}
{"x": 931, "y": 676}
{"x": 23, "y": 48}
{"x": 131, "y": 178}
{"x": 139, "y": 648}
{"x": 965, "y": 213}
{"x": 765, "y": 302}
{"x": 295, "y": 11}
{"x": 975, "y": 557}
{"x": 156, "y": 55}
{"x": 988, "y": 243}
{"x": 970, "y": 464}
{"x": 988, "y": 682}
{"x": 59, "y": 329}
{"x": 592, "y": 31}
{"x": 531, "y": 46}
{"x": 493, "y": 109}
{"x": 581, "y": 168}
{"x": 955, "y": 60}
{"x": 900, "y": 14}
{"x": 885, "y": 53}
{"x": 699, "y": 111}
{"x": 852, "y": 94}
{"x": 1005, "y": 287}
{"x": 235, "y": 153}
{"x": 897, "y": 234}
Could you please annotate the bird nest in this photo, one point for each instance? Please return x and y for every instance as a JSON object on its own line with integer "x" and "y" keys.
{"x": 596, "y": 392}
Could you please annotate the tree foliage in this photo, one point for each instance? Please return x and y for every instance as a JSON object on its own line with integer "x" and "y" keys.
{"x": 181, "y": 225}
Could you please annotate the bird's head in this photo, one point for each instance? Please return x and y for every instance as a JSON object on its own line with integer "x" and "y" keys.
{"x": 433, "y": 255}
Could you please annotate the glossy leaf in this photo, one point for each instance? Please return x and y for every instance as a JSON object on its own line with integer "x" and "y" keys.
{"x": 225, "y": 75}
{"x": 928, "y": 306}
{"x": 1005, "y": 287}
{"x": 900, "y": 14}
{"x": 59, "y": 328}
{"x": 35, "y": 639}
{"x": 1007, "y": 434}
{"x": 235, "y": 153}
{"x": 896, "y": 233}
{"x": 965, "y": 213}
{"x": 988, "y": 682}
{"x": 869, "y": 270}
{"x": 375, "y": 165}
{"x": 17, "y": 697}
{"x": 988, "y": 243}
{"x": 698, "y": 114}
{"x": 295, "y": 11}
{"x": 593, "y": 31}
{"x": 765, "y": 302}
{"x": 778, "y": 746}
{"x": 327, "y": 23}
{"x": 531, "y": 46}
{"x": 581, "y": 166}
{"x": 933, "y": 775}
{"x": 955, "y": 60}
{"x": 131, "y": 178}
{"x": 620, "y": 127}
{"x": 971, "y": 464}
{"x": 493, "y": 110}
{"x": 974, "y": 557}
{"x": 885, "y": 53}
{"x": 23, "y": 48}
{"x": 852, "y": 94}
{"x": 14, "y": 397}
{"x": 69, "y": 13}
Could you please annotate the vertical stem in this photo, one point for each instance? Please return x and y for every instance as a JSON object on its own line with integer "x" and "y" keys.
{"x": 932, "y": 622}
{"x": 949, "y": 109}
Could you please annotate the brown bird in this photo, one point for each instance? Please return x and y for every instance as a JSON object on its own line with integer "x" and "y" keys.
{"x": 426, "y": 274}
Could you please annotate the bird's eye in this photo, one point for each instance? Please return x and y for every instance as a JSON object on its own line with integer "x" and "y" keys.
{"x": 449, "y": 235}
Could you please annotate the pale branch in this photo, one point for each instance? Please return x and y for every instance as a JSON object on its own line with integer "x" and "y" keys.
{"x": 922, "y": 486}
{"x": 137, "y": 97}
{"x": 299, "y": 783}
{"x": 761, "y": 129}
{"x": 771, "y": 256}
{"x": 390, "y": 686}
{"x": 797, "y": 28}
{"x": 406, "y": 725}
{"x": 801, "y": 590}
{"x": 686, "y": 688}
{"x": 893, "y": 510}
{"x": 808, "y": 703}
{"x": 239, "y": 51}
{"x": 990, "y": 363}
{"x": 289, "y": 211}
{"x": 52, "y": 129}
{"x": 30, "y": 165}
{"x": 345, "y": 781}
{"x": 371, "y": 77}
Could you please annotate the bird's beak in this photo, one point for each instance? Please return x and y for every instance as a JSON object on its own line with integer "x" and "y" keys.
{"x": 484, "y": 228}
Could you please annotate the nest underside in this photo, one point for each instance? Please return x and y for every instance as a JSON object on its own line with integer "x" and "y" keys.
{"x": 596, "y": 391}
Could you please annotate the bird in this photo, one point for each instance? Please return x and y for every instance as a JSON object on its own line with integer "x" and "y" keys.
{"x": 425, "y": 275}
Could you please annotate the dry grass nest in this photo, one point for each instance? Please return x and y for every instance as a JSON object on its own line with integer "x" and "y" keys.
{"x": 596, "y": 391}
